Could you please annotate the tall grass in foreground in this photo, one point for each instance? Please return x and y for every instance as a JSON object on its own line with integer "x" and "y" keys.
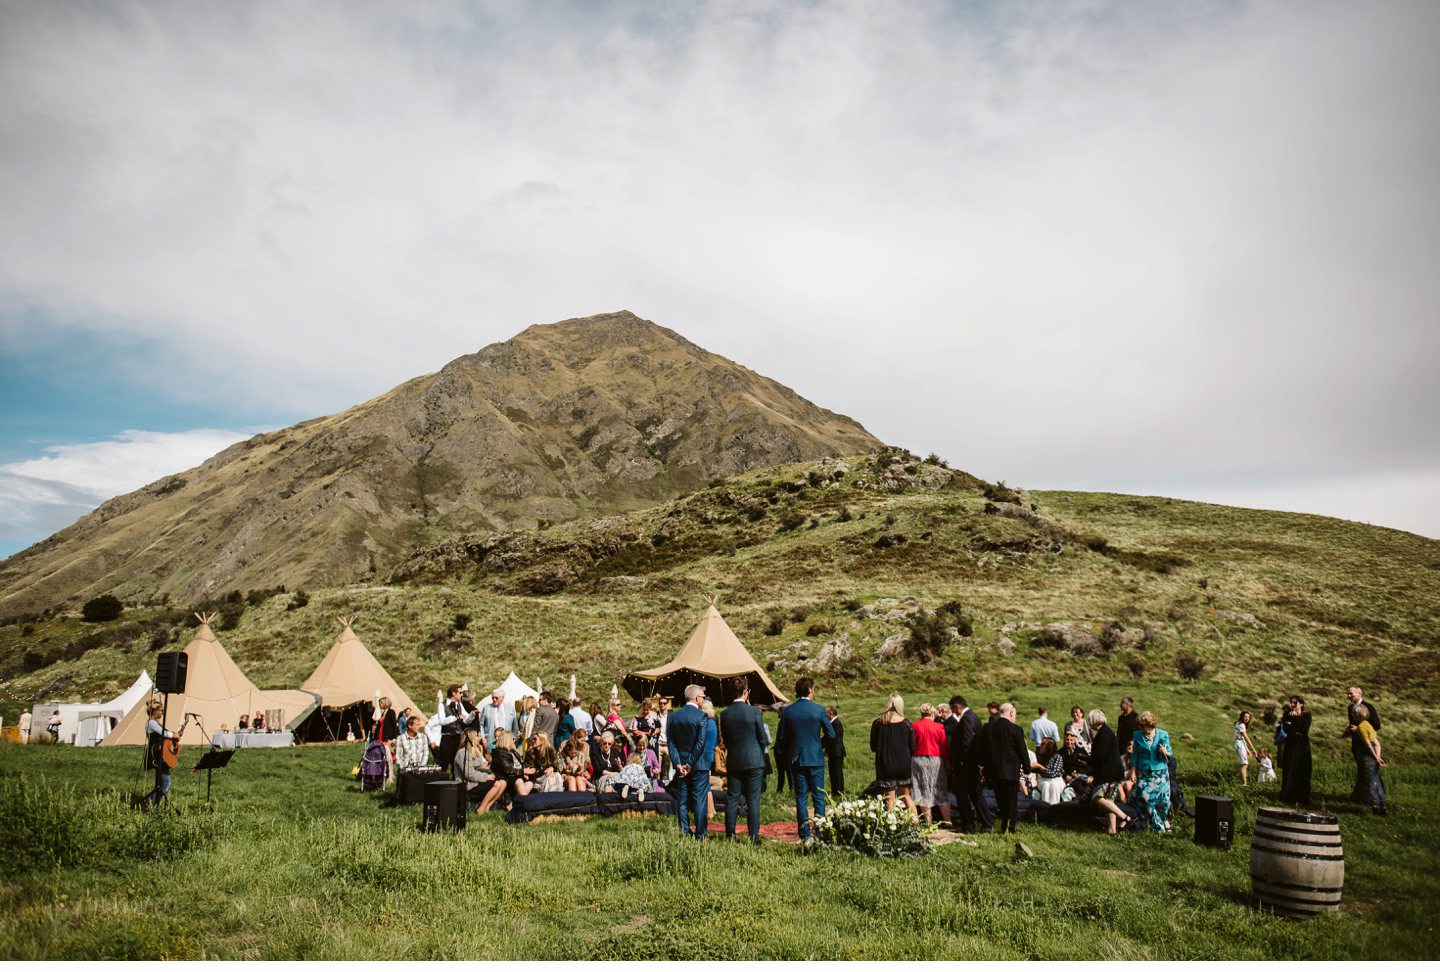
{"x": 291, "y": 861}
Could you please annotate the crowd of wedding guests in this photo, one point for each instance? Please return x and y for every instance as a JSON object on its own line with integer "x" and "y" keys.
{"x": 937, "y": 765}
{"x": 501, "y": 750}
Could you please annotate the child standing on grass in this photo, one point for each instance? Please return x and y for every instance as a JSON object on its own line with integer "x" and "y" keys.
{"x": 1267, "y": 767}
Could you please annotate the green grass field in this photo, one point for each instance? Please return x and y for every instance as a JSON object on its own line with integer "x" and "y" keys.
{"x": 290, "y": 861}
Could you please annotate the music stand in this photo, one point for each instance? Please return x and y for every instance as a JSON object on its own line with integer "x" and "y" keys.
{"x": 210, "y": 762}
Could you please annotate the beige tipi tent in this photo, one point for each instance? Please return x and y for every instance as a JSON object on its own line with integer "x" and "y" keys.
{"x": 711, "y": 657}
{"x": 218, "y": 692}
{"x": 347, "y": 681}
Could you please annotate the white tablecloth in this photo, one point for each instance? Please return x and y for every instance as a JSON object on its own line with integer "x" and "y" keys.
{"x": 252, "y": 740}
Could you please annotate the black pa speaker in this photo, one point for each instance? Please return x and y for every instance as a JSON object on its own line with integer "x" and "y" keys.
{"x": 1214, "y": 821}
{"x": 170, "y": 668}
{"x": 410, "y": 786}
{"x": 445, "y": 806}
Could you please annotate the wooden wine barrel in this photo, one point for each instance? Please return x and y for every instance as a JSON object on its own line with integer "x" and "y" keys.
{"x": 1297, "y": 865}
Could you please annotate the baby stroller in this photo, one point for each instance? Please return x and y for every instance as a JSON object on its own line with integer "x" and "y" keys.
{"x": 374, "y": 766}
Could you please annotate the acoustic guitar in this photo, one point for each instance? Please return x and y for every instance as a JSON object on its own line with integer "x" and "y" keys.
{"x": 170, "y": 748}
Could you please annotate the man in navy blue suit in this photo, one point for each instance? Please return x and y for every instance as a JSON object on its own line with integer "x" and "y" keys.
{"x": 743, "y": 730}
{"x": 804, "y": 731}
{"x": 691, "y": 784}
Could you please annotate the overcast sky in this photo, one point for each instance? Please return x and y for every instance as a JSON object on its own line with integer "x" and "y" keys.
{"x": 1188, "y": 249}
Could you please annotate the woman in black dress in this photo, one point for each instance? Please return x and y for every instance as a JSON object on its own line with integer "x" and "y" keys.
{"x": 1295, "y": 759}
{"x": 892, "y": 740}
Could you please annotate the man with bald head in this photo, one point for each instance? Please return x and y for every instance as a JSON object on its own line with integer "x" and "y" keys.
{"x": 1005, "y": 761}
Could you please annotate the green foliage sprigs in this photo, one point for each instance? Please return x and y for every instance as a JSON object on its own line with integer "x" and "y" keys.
{"x": 106, "y": 607}
{"x": 867, "y": 827}
{"x": 298, "y": 600}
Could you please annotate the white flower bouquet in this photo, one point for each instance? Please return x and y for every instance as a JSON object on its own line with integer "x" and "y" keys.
{"x": 867, "y": 827}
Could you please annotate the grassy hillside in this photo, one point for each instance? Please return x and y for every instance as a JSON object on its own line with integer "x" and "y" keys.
{"x": 1270, "y": 603}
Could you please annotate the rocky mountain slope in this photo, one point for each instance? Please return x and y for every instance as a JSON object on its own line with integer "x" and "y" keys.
{"x": 605, "y": 413}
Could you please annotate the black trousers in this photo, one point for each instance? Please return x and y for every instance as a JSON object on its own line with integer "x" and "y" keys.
{"x": 974, "y": 811}
{"x": 1007, "y": 792}
{"x": 445, "y": 752}
{"x": 837, "y": 774}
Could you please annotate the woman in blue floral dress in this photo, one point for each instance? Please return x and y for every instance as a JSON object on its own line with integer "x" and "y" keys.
{"x": 1150, "y": 770}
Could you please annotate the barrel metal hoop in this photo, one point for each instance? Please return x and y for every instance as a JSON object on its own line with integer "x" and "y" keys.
{"x": 1297, "y": 816}
{"x": 1266, "y": 835}
{"x": 1298, "y": 855}
{"x": 1255, "y": 879}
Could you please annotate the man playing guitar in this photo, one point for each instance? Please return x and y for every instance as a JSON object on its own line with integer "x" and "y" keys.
{"x": 162, "y": 750}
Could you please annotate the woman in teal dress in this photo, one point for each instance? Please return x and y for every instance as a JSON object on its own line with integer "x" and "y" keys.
{"x": 1150, "y": 770}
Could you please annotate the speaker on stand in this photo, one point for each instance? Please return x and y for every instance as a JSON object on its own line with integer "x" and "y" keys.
{"x": 170, "y": 670}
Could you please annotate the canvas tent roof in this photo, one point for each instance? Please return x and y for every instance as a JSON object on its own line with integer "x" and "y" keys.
{"x": 514, "y": 689}
{"x": 711, "y": 657}
{"x": 217, "y": 691}
{"x": 94, "y": 720}
{"x": 350, "y": 674}
{"x": 73, "y": 714}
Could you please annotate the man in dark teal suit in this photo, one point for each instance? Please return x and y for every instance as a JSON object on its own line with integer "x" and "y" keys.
{"x": 804, "y": 730}
{"x": 743, "y": 729}
{"x": 691, "y": 783}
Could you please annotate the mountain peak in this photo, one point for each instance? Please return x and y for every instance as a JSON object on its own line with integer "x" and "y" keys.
{"x": 589, "y": 415}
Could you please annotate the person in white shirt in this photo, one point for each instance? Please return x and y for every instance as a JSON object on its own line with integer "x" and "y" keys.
{"x": 583, "y": 719}
{"x": 1044, "y": 728}
{"x": 155, "y": 736}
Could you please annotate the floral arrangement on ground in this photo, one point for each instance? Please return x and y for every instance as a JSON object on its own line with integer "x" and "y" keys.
{"x": 867, "y": 827}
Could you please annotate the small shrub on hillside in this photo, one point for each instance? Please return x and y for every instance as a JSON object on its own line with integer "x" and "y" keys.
{"x": 790, "y": 519}
{"x": 954, "y": 614}
{"x": 160, "y": 637}
{"x": 889, "y": 540}
{"x": 230, "y": 614}
{"x": 889, "y": 519}
{"x": 27, "y": 631}
{"x": 298, "y": 600}
{"x": 845, "y": 516}
{"x": 33, "y": 661}
{"x": 461, "y": 622}
{"x": 1137, "y": 668}
{"x": 818, "y": 629}
{"x": 851, "y": 604}
{"x": 799, "y": 614}
{"x": 816, "y": 478}
{"x": 928, "y": 637}
{"x": 935, "y": 460}
{"x": 757, "y": 514}
{"x": 1001, "y": 493}
{"x": 1269, "y": 715}
{"x": 776, "y": 625}
{"x": 106, "y": 607}
{"x": 1189, "y": 666}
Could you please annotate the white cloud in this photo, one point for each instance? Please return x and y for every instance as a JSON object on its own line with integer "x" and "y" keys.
{"x": 1054, "y": 242}
{"x": 41, "y": 496}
